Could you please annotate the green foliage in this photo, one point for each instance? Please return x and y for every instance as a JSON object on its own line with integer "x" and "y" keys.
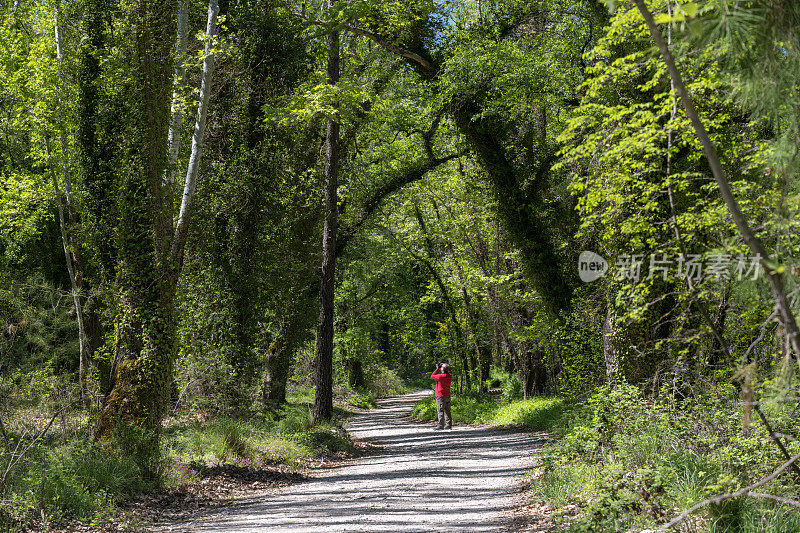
{"x": 535, "y": 413}
{"x": 254, "y": 443}
{"x": 39, "y": 333}
{"x": 509, "y": 383}
{"x": 383, "y": 381}
{"x": 466, "y": 409}
{"x": 295, "y": 419}
{"x": 627, "y": 462}
{"x": 542, "y": 128}
{"x": 81, "y": 479}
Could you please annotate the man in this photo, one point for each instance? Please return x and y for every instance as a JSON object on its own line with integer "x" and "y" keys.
{"x": 443, "y": 380}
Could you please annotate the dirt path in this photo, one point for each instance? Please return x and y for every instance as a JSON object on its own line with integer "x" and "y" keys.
{"x": 420, "y": 480}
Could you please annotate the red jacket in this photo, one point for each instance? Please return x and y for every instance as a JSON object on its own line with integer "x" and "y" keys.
{"x": 442, "y": 383}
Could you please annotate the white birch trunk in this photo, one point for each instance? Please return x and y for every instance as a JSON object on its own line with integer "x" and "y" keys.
{"x": 176, "y": 113}
{"x": 83, "y": 363}
{"x": 189, "y": 187}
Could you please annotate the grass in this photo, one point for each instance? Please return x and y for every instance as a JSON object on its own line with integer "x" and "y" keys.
{"x": 623, "y": 463}
{"x": 533, "y": 413}
{"x": 67, "y": 475}
{"x": 289, "y": 438}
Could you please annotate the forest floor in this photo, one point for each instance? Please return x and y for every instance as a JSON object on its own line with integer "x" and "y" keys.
{"x": 414, "y": 479}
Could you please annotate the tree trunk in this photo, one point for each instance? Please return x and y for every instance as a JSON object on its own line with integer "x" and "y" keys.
{"x": 276, "y": 373}
{"x": 355, "y": 372}
{"x": 67, "y": 238}
{"x": 198, "y": 137}
{"x": 536, "y": 373}
{"x": 279, "y": 358}
{"x": 529, "y": 234}
{"x": 145, "y": 327}
{"x": 609, "y": 352}
{"x": 150, "y": 253}
{"x": 83, "y": 363}
{"x": 484, "y": 366}
{"x": 526, "y": 369}
{"x": 323, "y": 397}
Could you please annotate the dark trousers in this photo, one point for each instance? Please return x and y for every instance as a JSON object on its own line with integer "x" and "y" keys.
{"x": 443, "y": 410}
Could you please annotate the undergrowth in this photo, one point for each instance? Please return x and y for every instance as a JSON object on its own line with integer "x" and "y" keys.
{"x": 473, "y": 408}
{"x": 68, "y": 475}
{"x": 623, "y": 463}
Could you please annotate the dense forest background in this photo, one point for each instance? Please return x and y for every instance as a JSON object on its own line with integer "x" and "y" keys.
{"x": 263, "y": 212}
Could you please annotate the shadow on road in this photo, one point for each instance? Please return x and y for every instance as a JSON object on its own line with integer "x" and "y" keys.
{"x": 418, "y": 480}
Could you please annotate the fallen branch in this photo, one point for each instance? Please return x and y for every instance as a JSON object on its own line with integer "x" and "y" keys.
{"x": 780, "y": 499}
{"x": 775, "y": 438}
{"x": 744, "y": 491}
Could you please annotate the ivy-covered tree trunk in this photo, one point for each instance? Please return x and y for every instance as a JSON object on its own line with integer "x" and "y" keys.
{"x": 145, "y": 327}
{"x": 150, "y": 251}
{"x": 323, "y": 398}
{"x": 278, "y": 363}
{"x": 516, "y": 211}
{"x": 276, "y": 374}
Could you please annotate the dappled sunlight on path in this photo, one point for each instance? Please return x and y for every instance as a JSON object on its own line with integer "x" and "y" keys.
{"x": 419, "y": 480}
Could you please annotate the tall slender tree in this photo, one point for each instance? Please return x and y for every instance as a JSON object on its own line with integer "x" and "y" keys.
{"x": 323, "y": 397}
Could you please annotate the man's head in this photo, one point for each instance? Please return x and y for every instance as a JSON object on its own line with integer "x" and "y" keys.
{"x": 445, "y": 368}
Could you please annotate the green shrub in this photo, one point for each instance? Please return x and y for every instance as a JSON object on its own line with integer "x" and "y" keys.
{"x": 425, "y": 409}
{"x": 79, "y": 480}
{"x": 295, "y": 419}
{"x": 330, "y": 439}
{"x": 510, "y": 383}
{"x": 362, "y": 398}
{"x": 626, "y": 463}
{"x": 251, "y": 443}
{"x": 512, "y": 389}
{"x": 466, "y": 409}
{"x": 383, "y": 381}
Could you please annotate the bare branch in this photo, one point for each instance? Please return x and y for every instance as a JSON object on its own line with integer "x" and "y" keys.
{"x": 785, "y": 501}
{"x": 20, "y": 450}
{"x": 429, "y": 68}
{"x": 775, "y": 438}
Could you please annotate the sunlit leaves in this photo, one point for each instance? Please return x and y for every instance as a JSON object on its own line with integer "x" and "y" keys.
{"x": 343, "y": 101}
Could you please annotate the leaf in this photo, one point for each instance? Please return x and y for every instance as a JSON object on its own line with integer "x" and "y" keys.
{"x": 664, "y": 18}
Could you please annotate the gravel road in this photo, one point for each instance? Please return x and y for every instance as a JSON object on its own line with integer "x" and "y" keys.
{"x": 459, "y": 480}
